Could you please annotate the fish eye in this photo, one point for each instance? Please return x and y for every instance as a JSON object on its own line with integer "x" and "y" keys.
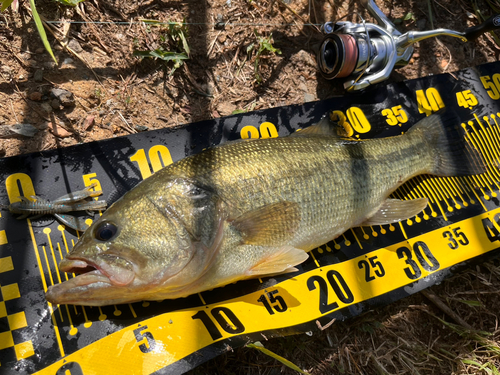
{"x": 105, "y": 231}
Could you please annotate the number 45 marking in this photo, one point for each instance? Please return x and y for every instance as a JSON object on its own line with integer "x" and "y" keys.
{"x": 466, "y": 99}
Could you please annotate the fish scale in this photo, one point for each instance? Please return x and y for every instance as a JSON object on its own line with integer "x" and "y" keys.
{"x": 332, "y": 181}
{"x": 253, "y": 208}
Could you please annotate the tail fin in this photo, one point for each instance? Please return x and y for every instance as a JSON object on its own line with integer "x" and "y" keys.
{"x": 454, "y": 155}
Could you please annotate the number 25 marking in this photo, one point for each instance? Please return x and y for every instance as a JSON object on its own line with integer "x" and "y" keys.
{"x": 375, "y": 264}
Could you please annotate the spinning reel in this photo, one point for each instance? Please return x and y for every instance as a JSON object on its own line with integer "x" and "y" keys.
{"x": 367, "y": 53}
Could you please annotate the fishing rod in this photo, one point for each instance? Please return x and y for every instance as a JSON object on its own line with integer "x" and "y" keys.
{"x": 366, "y": 53}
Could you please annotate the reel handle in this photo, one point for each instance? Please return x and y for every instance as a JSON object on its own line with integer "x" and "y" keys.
{"x": 492, "y": 23}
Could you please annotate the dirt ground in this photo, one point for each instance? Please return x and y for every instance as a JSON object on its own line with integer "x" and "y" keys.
{"x": 114, "y": 93}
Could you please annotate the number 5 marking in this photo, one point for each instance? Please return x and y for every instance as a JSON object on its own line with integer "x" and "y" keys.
{"x": 140, "y": 336}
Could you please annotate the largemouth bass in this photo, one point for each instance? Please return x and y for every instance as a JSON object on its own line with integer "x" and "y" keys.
{"x": 253, "y": 208}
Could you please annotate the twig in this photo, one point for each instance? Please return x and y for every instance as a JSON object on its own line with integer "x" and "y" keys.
{"x": 13, "y": 111}
{"x": 318, "y": 323}
{"x": 127, "y": 125}
{"x": 299, "y": 16}
{"x": 213, "y": 43}
{"x": 380, "y": 368}
{"x": 444, "y": 308}
{"x": 64, "y": 44}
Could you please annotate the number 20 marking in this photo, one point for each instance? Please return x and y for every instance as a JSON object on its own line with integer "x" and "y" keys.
{"x": 339, "y": 286}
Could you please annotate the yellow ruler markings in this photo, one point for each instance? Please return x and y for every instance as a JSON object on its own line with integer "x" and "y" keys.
{"x": 44, "y": 283}
{"x": 357, "y": 239}
{"x": 428, "y": 188}
{"x": 402, "y": 229}
{"x": 456, "y": 189}
{"x": 467, "y": 180}
{"x": 442, "y": 181}
{"x": 487, "y": 143}
{"x": 440, "y": 194}
{"x": 60, "y": 254}
{"x": 312, "y": 255}
{"x": 346, "y": 241}
{"x": 167, "y": 338}
{"x": 479, "y": 145}
{"x": 462, "y": 189}
{"x": 495, "y": 131}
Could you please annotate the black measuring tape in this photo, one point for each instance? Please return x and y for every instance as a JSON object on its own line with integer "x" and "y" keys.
{"x": 363, "y": 268}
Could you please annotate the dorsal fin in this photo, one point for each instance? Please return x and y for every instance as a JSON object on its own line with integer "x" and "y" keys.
{"x": 324, "y": 127}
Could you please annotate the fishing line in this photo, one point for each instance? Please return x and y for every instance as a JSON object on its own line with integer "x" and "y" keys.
{"x": 159, "y": 23}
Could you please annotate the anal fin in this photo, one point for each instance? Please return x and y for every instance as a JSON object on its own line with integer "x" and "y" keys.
{"x": 394, "y": 210}
{"x": 282, "y": 260}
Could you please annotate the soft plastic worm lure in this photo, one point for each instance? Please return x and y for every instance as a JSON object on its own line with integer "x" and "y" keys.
{"x": 77, "y": 201}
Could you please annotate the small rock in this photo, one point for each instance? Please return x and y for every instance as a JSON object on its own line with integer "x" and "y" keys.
{"x": 35, "y": 96}
{"x": 49, "y": 64}
{"x": 219, "y": 23}
{"x": 68, "y": 60}
{"x": 222, "y": 38}
{"x": 55, "y": 103}
{"x": 308, "y": 97}
{"x": 40, "y": 50}
{"x": 59, "y": 131}
{"x": 47, "y": 107}
{"x": 75, "y": 46}
{"x": 38, "y": 75}
{"x": 65, "y": 97}
{"x": 303, "y": 57}
{"x": 444, "y": 63}
{"x": 141, "y": 128}
{"x": 89, "y": 122}
{"x": 225, "y": 108}
{"x": 32, "y": 63}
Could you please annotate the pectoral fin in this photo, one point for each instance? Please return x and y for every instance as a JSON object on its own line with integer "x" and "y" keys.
{"x": 269, "y": 225}
{"x": 394, "y": 210}
{"x": 282, "y": 260}
{"x": 323, "y": 127}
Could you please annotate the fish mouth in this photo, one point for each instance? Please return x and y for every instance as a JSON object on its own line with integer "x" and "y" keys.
{"x": 78, "y": 266}
{"x": 92, "y": 282}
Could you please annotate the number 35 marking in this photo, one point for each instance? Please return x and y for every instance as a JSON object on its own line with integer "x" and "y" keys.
{"x": 456, "y": 238}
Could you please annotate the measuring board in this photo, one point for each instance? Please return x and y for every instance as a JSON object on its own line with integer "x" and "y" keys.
{"x": 363, "y": 268}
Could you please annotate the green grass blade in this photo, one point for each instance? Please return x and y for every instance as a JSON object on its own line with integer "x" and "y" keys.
{"x": 257, "y": 345}
{"x": 6, "y": 4}
{"x": 71, "y": 3}
{"x": 41, "y": 30}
